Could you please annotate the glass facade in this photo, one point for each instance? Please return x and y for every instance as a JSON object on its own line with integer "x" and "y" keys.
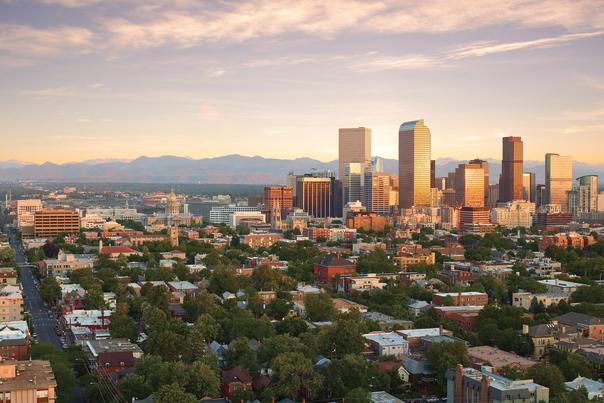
{"x": 558, "y": 179}
{"x": 414, "y": 151}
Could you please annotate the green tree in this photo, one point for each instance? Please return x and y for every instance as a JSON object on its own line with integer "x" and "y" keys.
{"x": 203, "y": 381}
{"x": 358, "y": 395}
{"x": 94, "y": 297}
{"x": 341, "y": 338}
{"x": 7, "y": 256}
{"x": 442, "y": 356}
{"x": 123, "y": 327}
{"x": 50, "y": 290}
{"x": 548, "y": 375}
{"x": 376, "y": 261}
{"x": 241, "y": 354}
{"x": 319, "y": 307}
{"x": 292, "y": 374}
{"x": 173, "y": 393}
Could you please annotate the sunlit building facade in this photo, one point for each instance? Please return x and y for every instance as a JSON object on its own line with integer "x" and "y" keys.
{"x": 469, "y": 185}
{"x": 313, "y": 195}
{"x": 354, "y": 145}
{"x": 510, "y": 182}
{"x": 587, "y": 187}
{"x": 414, "y": 151}
{"x": 558, "y": 179}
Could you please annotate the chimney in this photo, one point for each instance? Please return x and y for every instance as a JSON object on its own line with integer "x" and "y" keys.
{"x": 525, "y": 329}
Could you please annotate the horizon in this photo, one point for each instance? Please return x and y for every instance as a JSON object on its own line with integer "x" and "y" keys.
{"x": 120, "y": 79}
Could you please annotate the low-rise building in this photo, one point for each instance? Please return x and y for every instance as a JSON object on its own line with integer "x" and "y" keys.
{"x": 65, "y": 263}
{"x": 410, "y": 259}
{"x": 261, "y": 239}
{"x": 595, "y": 389}
{"x": 388, "y": 343}
{"x": 465, "y": 316}
{"x": 415, "y": 336}
{"x": 27, "y": 381}
{"x": 461, "y": 298}
{"x": 488, "y": 355}
{"x": 528, "y": 300}
{"x": 368, "y": 282}
{"x": 8, "y": 276}
{"x": 14, "y": 340}
{"x": 561, "y": 286}
{"x": 11, "y": 303}
{"x": 333, "y": 265}
{"x": 112, "y": 357}
{"x": 472, "y": 385}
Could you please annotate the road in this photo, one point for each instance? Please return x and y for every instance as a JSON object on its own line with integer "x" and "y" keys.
{"x": 43, "y": 321}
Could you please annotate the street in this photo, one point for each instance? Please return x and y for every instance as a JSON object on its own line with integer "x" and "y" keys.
{"x": 43, "y": 321}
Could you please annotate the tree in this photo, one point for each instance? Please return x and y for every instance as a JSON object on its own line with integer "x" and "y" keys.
{"x": 358, "y": 395}
{"x": 123, "y": 327}
{"x": 341, "y": 338}
{"x": 135, "y": 386}
{"x": 278, "y": 308}
{"x": 50, "y": 290}
{"x": 376, "y": 261}
{"x": 50, "y": 250}
{"x": 203, "y": 381}
{"x": 292, "y": 374}
{"x": 241, "y": 354}
{"x": 319, "y": 307}
{"x": 548, "y": 375}
{"x": 173, "y": 393}
{"x": 280, "y": 344}
{"x": 61, "y": 367}
{"x": 442, "y": 356}
{"x": 95, "y": 298}
{"x": 7, "y": 256}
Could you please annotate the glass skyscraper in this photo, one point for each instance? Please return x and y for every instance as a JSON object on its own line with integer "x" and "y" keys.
{"x": 414, "y": 156}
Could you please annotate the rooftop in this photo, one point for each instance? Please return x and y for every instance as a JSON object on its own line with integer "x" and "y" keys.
{"x": 114, "y": 346}
{"x": 498, "y": 358}
{"x": 36, "y": 374}
{"x": 386, "y": 338}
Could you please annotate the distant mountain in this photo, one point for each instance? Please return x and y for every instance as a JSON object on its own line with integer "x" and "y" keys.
{"x": 228, "y": 169}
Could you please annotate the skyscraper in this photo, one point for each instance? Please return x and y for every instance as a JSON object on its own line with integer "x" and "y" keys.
{"x": 354, "y": 145}
{"x": 510, "y": 181}
{"x": 377, "y": 192}
{"x": 279, "y": 198}
{"x": 353, "y": 181}
{"x": 414, "y": 149}
{"x": 313, "y": 195}
{"x": 469, "y": 186}
{"x": 588, "y": 193}
{"x": 558, "y": 179}
{"x": 485, "y": 166}
{"x": 432, "y": 173}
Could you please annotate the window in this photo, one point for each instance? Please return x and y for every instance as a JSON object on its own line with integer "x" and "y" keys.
{"x": 41, "y": 393}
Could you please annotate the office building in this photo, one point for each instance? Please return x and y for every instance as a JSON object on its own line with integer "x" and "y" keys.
{"x": 471, "y": 218}
{"x": 587, "y": 187}
{"x": 52, "y": 222}
{"x": 529, "y": 186}
{"x": 540, "y": 199}
{"x": 510, "y": 182}
{"x": 414, "y": 156}
{"x": 377, "y": 193}
{"x": 432, "y": 173}
{"x": 222, "y": 214}
{"x": 485, "y": 167}
{"x": 558, "y": 179}
{"x": 26, "y": 210}
{"x": 11, "y": 303}
{"x": 314, "y": 195}
{"x": 279, "y": 198}
{"x": 353, "y": 181}
{"x": 354, "y": 145}
{"x": 469, "y": 185}
{"x": 514, "y": 214}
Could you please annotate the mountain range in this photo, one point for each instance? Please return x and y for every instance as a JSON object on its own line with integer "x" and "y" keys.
{"x": 229, "y": 169}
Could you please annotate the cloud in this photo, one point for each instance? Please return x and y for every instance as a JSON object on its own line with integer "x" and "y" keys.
{"x": 70, "y": 3}
{"x": 46, "y": 93}
{"x": 97, "y": 85}
{"x": 208, "y": 112}
{"x": 26, "y": 43}
{"x": 488, "y": 48}
{"x": 216, "y": 73}
{"x": 591, "y": 81}
{"x": 186, "y": 23}
{"x": 477, "y": 49}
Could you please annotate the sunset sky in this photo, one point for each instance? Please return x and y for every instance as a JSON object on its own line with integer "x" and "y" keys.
{"x": 89, "y": 79}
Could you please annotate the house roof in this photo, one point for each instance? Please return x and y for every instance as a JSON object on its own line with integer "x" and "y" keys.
{"x": 335, "y": 260}
{"x": 574, "y": 319}
{"x": 236, "y": 374}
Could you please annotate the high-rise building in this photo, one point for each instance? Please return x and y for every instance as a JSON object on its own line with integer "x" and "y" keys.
{"x": 279, "y": 198}
{"x": 540, "y": 199}
{"x": 414, "y": 150}
{"x": 377, "y": 165}
{"x": 336, "y": 197}
{"x": 485, "y": 166}
{"x": 529, "y": 186}
{"x": 353, "y": 181}
{"x": 377, "y": 193}
{"x": 52, "y": 222}
{"x": 432, "y": 173}
{"x": 558, "y": 179}
{"x": 26, "y": 210}
{"x": 354, "y": 146}
{"x": 587, "y": 187}
{"x": 510, "y": 182}
{"x": 469, "y": 186}
{"x": 313, "y": 195}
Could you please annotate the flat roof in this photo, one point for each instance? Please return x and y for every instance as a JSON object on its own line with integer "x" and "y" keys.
{"x": 386, "y": 338}
{"x": 499, "y": 358}
{"x": 27, "y": 371}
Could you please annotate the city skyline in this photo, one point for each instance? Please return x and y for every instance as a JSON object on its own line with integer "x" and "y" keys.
{"x": 83, "y": 79}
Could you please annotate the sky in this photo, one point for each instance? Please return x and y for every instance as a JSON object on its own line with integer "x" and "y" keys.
{"x": 94, "y": 79}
